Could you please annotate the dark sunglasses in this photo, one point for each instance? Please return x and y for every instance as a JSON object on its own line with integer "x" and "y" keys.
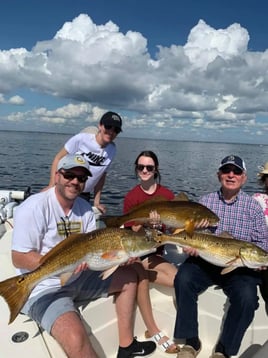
{"x": 115, "y": 129}
{"x": 149, "y": 168}
{"x": 235, "y": 170}
{"x": 71, "y": 176}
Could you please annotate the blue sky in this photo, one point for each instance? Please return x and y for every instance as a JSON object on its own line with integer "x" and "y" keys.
{"x": 185, "y": 70}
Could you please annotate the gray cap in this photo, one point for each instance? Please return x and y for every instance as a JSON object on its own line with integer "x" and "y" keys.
{"x": 70, "y": 161}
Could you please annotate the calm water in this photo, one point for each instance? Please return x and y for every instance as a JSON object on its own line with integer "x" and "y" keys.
{"x": 25, "y": 160}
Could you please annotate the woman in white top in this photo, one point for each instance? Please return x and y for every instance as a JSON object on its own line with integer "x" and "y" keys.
{"x": 262, "y": 197}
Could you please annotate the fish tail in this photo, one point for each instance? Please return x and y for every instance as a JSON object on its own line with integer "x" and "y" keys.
{"x": 111, "y": 221}
{"x": 15, "y": 291}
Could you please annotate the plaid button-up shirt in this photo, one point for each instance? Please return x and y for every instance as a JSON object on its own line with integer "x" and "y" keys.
{"x": 243, "y": 218}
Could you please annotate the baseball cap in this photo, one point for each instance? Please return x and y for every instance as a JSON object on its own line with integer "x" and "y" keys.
{"x": 111, "y": 119}
{"x": 70, "y": 161}
{"x": 234, "y": 160}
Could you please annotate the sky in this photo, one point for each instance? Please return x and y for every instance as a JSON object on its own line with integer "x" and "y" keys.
{"x": 173, "y": 69}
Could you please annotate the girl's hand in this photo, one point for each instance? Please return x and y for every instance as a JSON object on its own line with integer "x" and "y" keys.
{"x": 190, "y": 251}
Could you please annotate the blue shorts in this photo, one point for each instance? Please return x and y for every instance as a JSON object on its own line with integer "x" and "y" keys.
{"x": 48, "y": 305}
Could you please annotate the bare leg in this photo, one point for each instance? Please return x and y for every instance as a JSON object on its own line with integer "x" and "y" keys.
{"x": 143, "y": 299}
{"x": 160, "y": 271}
{"x": 145, "y": 306}
{"x": 70, "y": 333}
{"x": 124, "y": 288}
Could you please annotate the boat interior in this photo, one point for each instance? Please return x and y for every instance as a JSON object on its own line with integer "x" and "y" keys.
{"x": 23, "y": 337}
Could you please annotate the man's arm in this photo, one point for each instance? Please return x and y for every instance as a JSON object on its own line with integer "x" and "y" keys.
{"x": 26, "y": 260}
{"x": 97, "y": 193}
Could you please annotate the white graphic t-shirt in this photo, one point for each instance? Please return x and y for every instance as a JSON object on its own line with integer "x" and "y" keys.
{"x": 99, "y": 158}
{"x": 40, "y": 224}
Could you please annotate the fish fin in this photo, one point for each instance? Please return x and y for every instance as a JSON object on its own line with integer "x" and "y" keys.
{"x": 155, "y": 199}
{"x": 236, "y": 260}
{"x": 112, "y": 254}
{"x": 177, "y": 231}
{"x": 226, "y": 235}
{"x": 181, "y": 197}
{"x": 64, "y": 277}
{"x": 107, "y": 273}
{"x": 228, "y": 269}
{"x": 120, "y": 221}
{"x": 231, "y": 265}
{"x": 111, "y": 221}
{"x": 15, "y": 291}
{"x": 189, "y": 227}
{"x": 158, "y": 198}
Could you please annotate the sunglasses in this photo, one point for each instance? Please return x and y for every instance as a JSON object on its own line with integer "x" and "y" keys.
{"x": 115, "y": 129}
{"x": 71, "y": 176}
{"x": 149, "y": 168}
{"x": 235, "y": 170}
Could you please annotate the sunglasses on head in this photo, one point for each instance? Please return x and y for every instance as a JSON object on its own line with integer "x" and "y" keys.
{"x": 226, "y": 170}
{"x": 149, "y": 168}
{"x": 71, "y": 176}
{"x": 115, "y": 129}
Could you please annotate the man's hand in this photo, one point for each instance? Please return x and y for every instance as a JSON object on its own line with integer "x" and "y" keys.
{"x": 202, "y": 224}
{"x": 82, "y": 267}
{"x": 100, "y": 207}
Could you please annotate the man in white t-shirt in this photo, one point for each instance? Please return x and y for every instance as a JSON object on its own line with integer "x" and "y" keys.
{"x": 98, "y": 149}
{"x": 41, "y": 222}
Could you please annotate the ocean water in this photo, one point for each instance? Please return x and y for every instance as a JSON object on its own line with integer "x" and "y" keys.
{"x": 26, "y": 157}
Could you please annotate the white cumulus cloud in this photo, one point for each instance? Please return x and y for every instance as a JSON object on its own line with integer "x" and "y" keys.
{"x": 210, "y": 81}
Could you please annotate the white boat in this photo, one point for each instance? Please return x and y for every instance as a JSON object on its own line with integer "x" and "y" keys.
{"x": 23, "y": 338}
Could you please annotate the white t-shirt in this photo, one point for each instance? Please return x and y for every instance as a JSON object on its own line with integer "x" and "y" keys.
{"x": 99, "y": 158}
{"x": 40, "y": 224}
{"x": 262, "y": 198}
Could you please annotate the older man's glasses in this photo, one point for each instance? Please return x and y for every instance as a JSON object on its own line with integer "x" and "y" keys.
{"x": 228, "y": 169}
{"x": 149, "y": 168}
{"x": 71, "y": 176}
{"x": 115, "y": 129}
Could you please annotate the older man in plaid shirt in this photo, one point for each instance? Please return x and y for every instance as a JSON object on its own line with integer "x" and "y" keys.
{"x": 242, "y": 217}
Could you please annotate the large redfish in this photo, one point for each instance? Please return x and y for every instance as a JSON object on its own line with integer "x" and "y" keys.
{"x": 174, "y": 214}
{"x": 220, "y": 250}
{"x": 101, "y": 249}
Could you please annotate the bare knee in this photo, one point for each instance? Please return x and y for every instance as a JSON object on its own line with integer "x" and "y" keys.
{"x": 124, "y": 278}
{"x": 141, "y": 271}
{"x": 70, "y": 333}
